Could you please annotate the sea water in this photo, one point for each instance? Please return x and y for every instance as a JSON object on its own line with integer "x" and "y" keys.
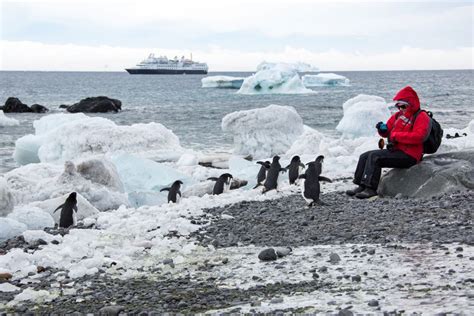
{"x": 194, "y": 113}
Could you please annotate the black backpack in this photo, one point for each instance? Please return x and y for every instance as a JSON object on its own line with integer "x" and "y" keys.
{"x": 432, "y": 141}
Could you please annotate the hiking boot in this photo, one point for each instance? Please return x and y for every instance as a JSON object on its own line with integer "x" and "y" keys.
{"x": 367, "y": 193}
{"x": 355, "y": 191}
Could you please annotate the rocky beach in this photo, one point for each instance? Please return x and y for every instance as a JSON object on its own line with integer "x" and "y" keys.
{"x": 388, "y": 255}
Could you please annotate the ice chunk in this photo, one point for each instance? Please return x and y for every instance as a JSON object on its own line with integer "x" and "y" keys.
{"x": 144, "y": 178}
{"x": 7, "y": 287}
{"x": 61, "y": 137}
{"x": 84, "y": 208}
{"x": 263, "y": 132}
{"x": 8, "y": 121}
{"x": 10, "y": 228}
{"x": 188, "y": 160}
{"x": 361, "y": 114}
{"x": 6, "y": 198}
{"x": 244, "y": 169}
{"x": 227, "y": 82}
{"x": 274, "y": 78}
{"x": 33, "y": 235}
{"x": 307, "y": 143}
{"x": 28, "y": 294}
{"x": 325, "y": 79}
{"x": 101, "y": 172}
{"x": 32, "y": 217}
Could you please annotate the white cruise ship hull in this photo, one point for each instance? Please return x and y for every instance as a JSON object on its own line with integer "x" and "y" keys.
{"x": 136, "y": 71}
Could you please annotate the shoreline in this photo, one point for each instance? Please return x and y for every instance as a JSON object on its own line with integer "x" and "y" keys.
{"x": 226, "y": 275}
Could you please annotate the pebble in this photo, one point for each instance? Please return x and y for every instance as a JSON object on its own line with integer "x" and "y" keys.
{"x": 373, "y": 303}
{"x": 111, "y": 310}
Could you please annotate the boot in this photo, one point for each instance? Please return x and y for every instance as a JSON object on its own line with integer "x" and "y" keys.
{"x": 367, "y": 193}
{"x": 355, "y": 191}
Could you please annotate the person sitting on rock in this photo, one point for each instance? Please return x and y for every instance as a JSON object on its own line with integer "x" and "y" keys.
{"x": 404, "y": 147}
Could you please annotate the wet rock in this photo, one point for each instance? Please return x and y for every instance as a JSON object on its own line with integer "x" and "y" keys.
{"x": 14, "y": 105}
{"x": 111, "y": 310}
{"x": 373, "y": 303}
{"x": 38, "y": 108}
{"x": 356, "y": 278}
{"x": 99, "y": 104}
{"x": 268, "y": 255}
{"x": 334, "y": 258}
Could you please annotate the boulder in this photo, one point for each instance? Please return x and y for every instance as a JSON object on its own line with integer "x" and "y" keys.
{"x": 435, "y": 175}
{"x": 14, "y": 105}
{"x": 38, "y": 108}
{"x": 96, "y": 105}
{"x": 101, "y": 172}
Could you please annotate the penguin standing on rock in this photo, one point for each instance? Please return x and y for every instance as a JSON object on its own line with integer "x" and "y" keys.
{"x": 222, "y": 183}
{"x": 67, "y": 217}
{"x": 271, "y": 182}
{"x": 262, "y": 173}
{"x": 310, "y": 187}
{"x": 294, "y": 169}
{"x": 174, "y": 193}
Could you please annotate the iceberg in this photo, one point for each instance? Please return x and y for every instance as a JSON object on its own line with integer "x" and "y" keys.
{"x": 298, "y": 67}
{"x": 325, "y": 79}
{"x": 361, "y": 113}
{"x": 61, "y": 137}
{"x": 7, "y": 121}
{"x": 225, "y": 82}
{"x": 263, "y": 132}
{"x": 43, "y": 181}
{"x": 271, "y": 78}
{"x": 143, "y": 179}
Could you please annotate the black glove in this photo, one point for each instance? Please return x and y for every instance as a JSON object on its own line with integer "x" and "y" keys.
{"x": 381, "y": 127}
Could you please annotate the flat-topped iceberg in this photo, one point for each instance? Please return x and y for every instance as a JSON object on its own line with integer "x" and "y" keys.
{"x": 298, "y": 67}
{"x": 61, "y": 137}
{"x": 263, "y": 132}
{"x": 271, "y": 78}
{"x": 361, "y": 113}
{"x": 225, "y": 82}
{"x": 325, "y": 79}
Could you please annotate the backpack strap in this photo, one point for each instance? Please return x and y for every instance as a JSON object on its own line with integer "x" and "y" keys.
{"x": 414, "y": 118}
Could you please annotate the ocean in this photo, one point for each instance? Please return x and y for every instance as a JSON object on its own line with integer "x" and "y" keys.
{"x": 194, "y": 113}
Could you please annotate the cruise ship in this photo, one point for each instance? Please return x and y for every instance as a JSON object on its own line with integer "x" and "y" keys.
{"x": 164, "y": 66}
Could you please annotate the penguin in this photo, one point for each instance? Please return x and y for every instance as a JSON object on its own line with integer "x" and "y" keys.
{"x": 174, "y": 191}
{"x": 294, "y": 169}
{"x": 222, "y": 183}
{"x": 262, "y": 173}
{"x": 271, "y": 182}
{"x": 67, "y": 217}
{"x": 310, "y": 187}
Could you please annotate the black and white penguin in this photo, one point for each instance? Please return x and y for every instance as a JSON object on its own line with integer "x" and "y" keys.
{"x": 271, "y": 182}
{"x": 174, "y": 192}
{"x": 222, "y": 183}
{"x": 67, "y": 217}
{"x": 294, "y": 169}
{"x": 262, "y": 173}
{"x": 310, "y": 187}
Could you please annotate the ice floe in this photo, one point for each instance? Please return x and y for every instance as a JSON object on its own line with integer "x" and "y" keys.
{"x": 226, "y": 82}
{"x": 325, "y": 79}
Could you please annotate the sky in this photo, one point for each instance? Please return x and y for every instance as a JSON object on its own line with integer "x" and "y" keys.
{"x": 106, "y": 35}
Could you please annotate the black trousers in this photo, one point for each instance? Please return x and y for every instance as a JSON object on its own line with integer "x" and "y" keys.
{"x": 369, "y": 167}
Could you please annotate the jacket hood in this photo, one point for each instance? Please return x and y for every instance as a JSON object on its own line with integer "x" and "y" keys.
{"x": 409, "y": 95}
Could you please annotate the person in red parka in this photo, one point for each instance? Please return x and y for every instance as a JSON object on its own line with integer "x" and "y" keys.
{"x": 404, "y": 147}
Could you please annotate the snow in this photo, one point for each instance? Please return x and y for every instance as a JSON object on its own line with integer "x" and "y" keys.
{"x": 43, "y": 181}
{"x": 61, "y": 137}
{"x": 188, "y": 159}
{"x": 227, "y": 82}
{"x": 7, "y": 121}
{"x": 6, "y": 198}
{"x": 325, "y": 79}
{"x": 7, "y": 287}
{"x": 271, "y": 78}
{"x": 32, "y": 295}
{"x": 32, "y": 217}
{"x": 460, "y": 143}
{"x": 31, "y": 236}
{"x": 361, "y": 114}
{"x": 263, "y": 132}
{"x": 10, "y": 228}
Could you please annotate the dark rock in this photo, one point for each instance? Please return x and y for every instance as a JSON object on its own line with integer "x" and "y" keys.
{"x": 435, "y": 175}
{"x": 373, "y": 303}
{"x": 268, "y": 255}
{"x": 99, "y": 104}
{"x": 459, "y": 249}
{"x": 14, "y": 105}
{"x": 345, "y": 312}
{"x": 334, "y": 258}
{"x": 38, "y": 108}
{"x": 111, "y": 310}
{"x": 371, "y": 251}
{"x": 356, "y": 278}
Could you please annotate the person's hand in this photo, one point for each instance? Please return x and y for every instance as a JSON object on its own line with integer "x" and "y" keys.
{"x": 381, "y": 127}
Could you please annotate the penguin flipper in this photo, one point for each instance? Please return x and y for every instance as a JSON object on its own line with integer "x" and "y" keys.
{"x": 321, "y": 178}
{"x": 58, "y": 207}
{"x": 213, "y": 178}
{"x": 164, "y": 189}
{"x": 302, "y": 165}
{"x": 261, "y": 163}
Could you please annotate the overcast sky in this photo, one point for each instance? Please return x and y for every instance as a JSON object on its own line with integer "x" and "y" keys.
{"x": 237, "y": 35}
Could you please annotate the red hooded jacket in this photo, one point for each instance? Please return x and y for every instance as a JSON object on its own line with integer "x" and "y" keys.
{"x": 400, "y": 131}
